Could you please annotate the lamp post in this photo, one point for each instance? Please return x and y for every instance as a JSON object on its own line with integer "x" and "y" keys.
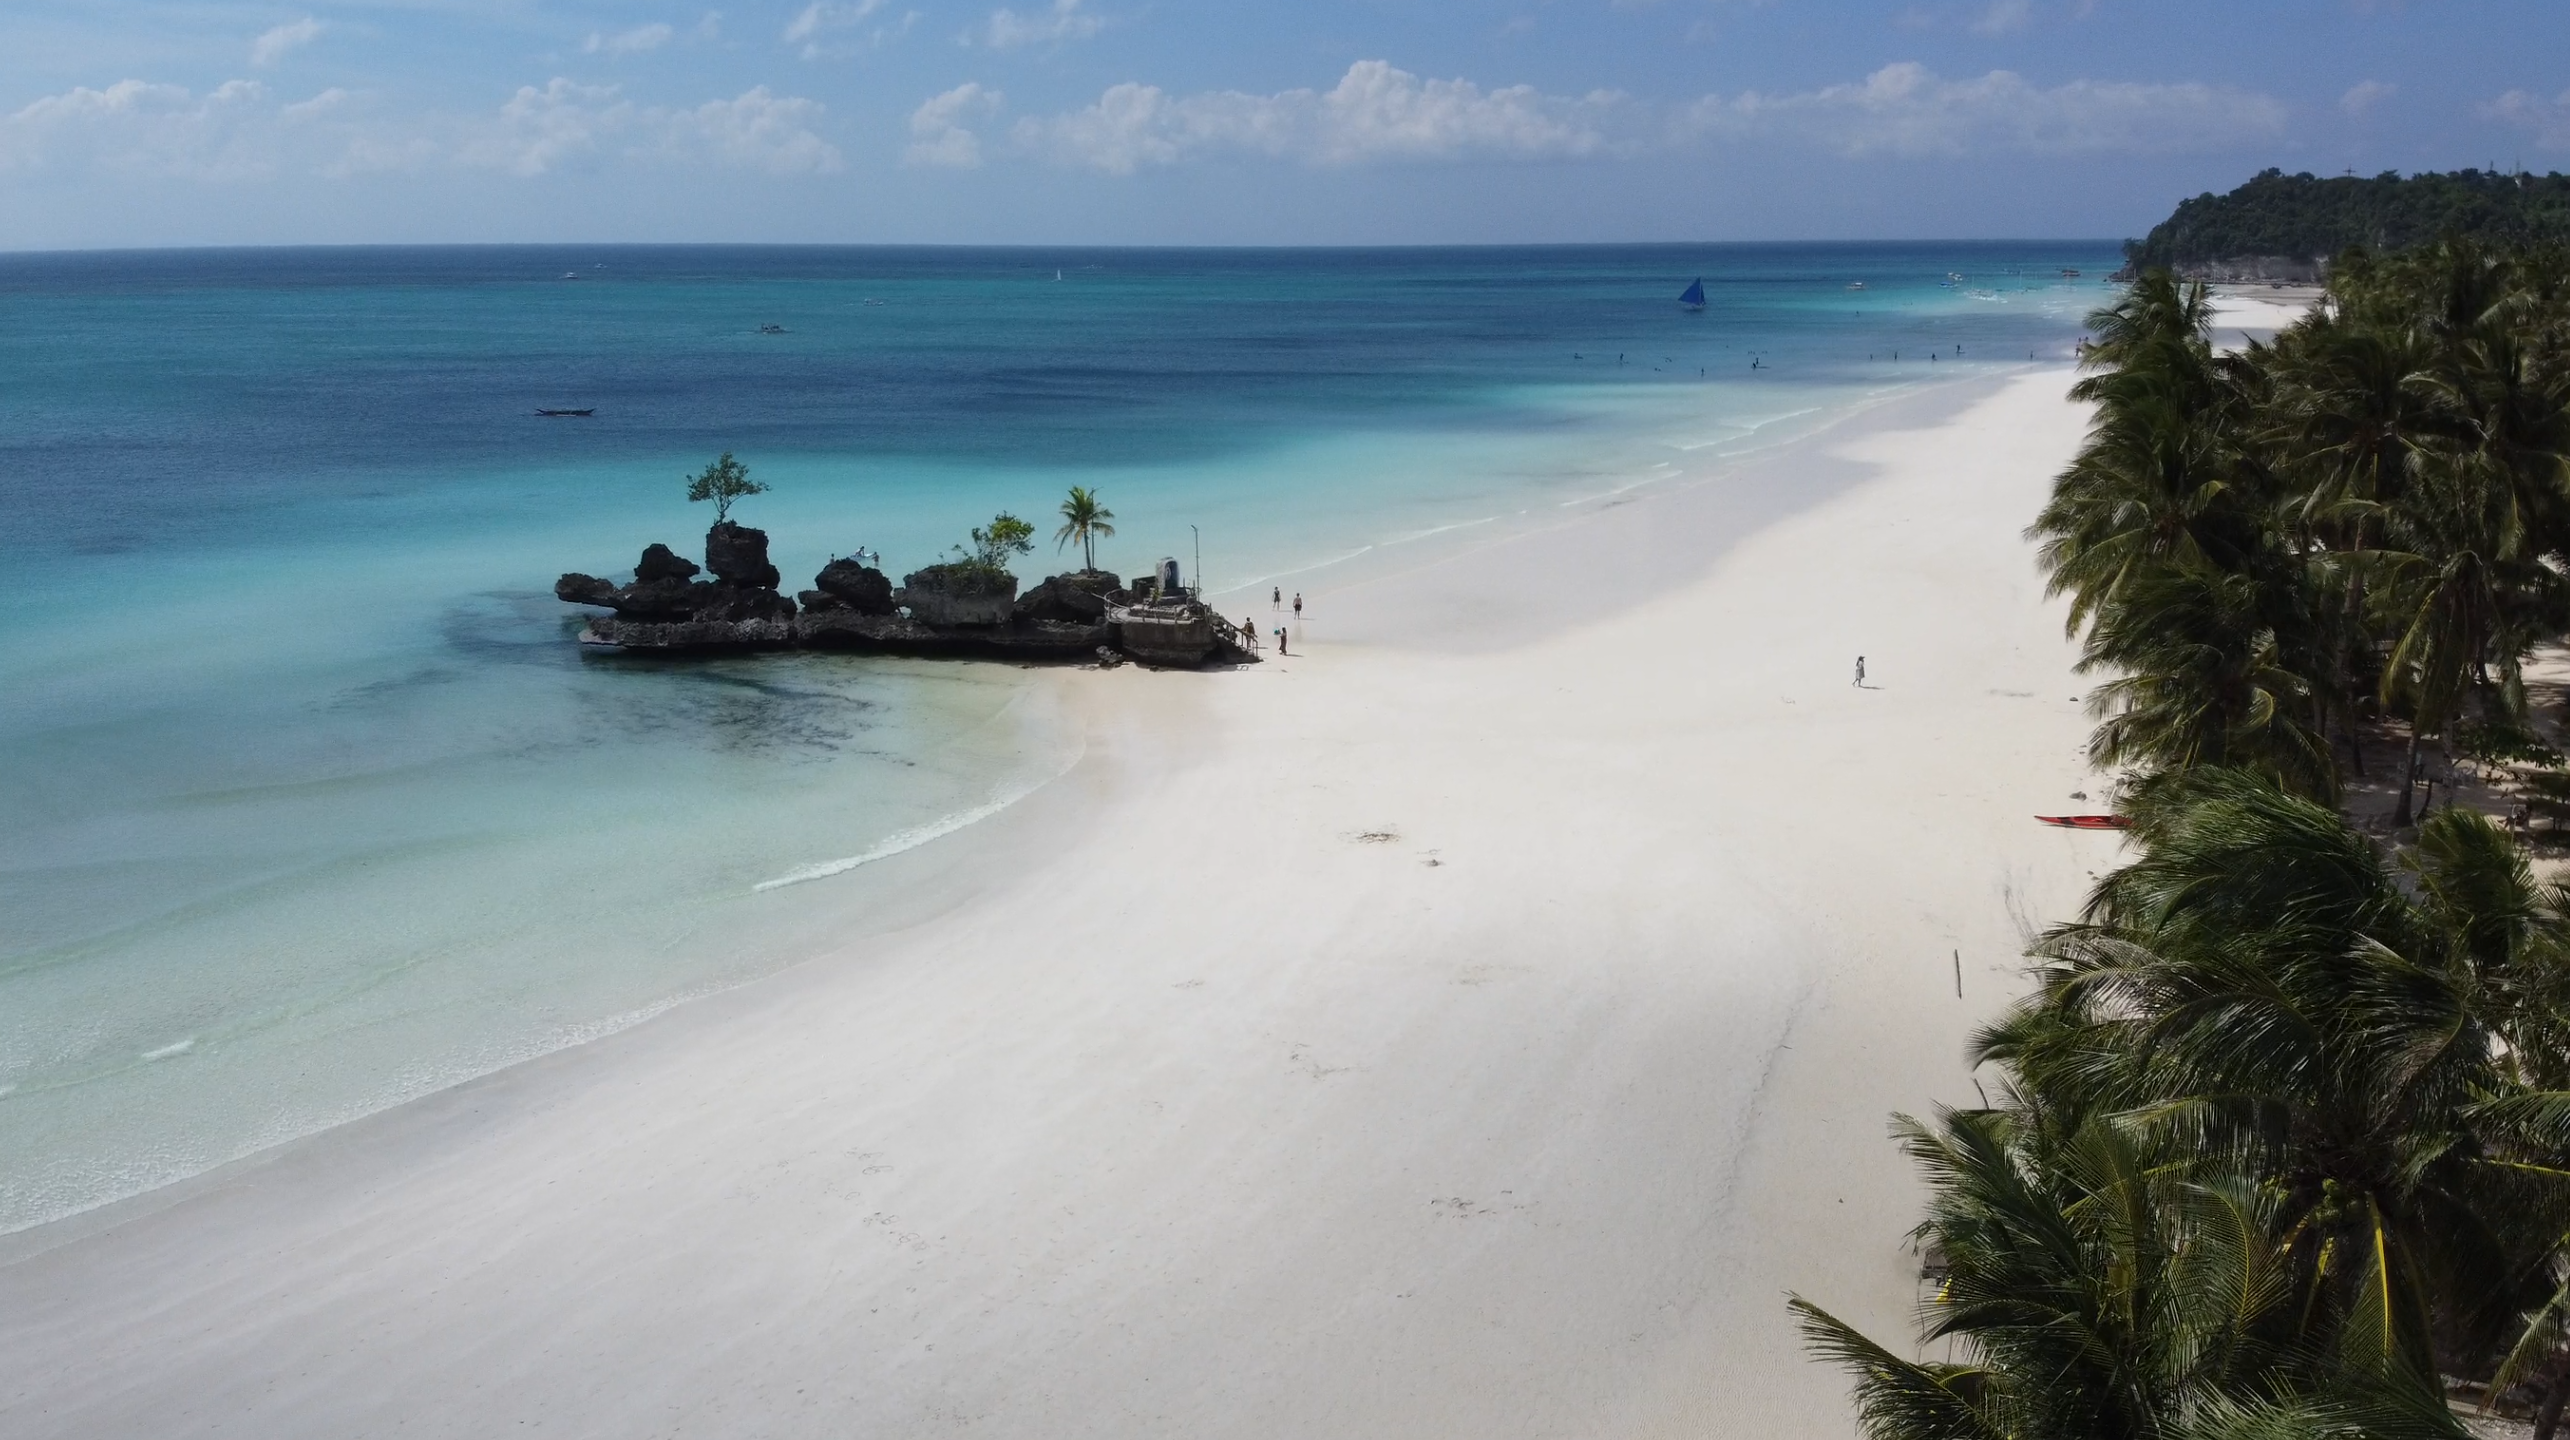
{"x": 1196, "y": 591}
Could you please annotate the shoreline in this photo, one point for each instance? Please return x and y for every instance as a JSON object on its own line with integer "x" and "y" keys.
{"x": 1745, "y": 472}
{"x": 1220, "y": 1104}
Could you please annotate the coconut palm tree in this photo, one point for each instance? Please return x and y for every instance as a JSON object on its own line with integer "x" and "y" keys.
{"x": 2265, "y": 1160}
{"x": 2200, "y": 677}
{"x": 2284, "y": 1131}
{"x": 2265, "y": 993}
{"x": 1084, "y": 520}
{"x": 2102, "y": 1293}
{"x": 2349, "y": 422}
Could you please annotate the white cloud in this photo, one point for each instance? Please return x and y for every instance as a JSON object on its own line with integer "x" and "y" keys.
{"x": 276, "y": 44}
{"x": 135, "y": 127}
{"x": 815, "y": 27}
{"x": 1905, "y": 109}
{"x": 566, "y": 123}
{"x": 754, "y": 130}
{"x": 630, "y": 42}
{"x": 1062, "y": 20}
{"x": 1375, "y": 112}
{"x": 2547, "y": 120}
{"x": 2003, "y": 16}
{"x": 2364, "y": 95}
{"x": 940, "y": 133}
{"x": 239, "y": 132}
{"x": 542, "y": 130}
{"x": 319, "y": 105}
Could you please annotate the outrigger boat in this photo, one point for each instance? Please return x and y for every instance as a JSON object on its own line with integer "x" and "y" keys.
{"x": 2089, "y": 822}
{"x": 574, "y": 414}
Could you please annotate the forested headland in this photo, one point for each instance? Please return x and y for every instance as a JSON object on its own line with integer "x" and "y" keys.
{"x": 2287, "y": 227}
{"x": 2279, "y": 1143}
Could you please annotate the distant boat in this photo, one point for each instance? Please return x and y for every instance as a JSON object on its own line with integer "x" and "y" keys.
{"x": 1057, "y": 274}
{"x": 771, "y": 329}
{"x": 2088, "y": 822}
{"x": 1855, "y": 284}
{"x": 570, "y": 274}
{"x": 574, "y": 414}
{"x": 2069, "y": 274}
{"x": 1693, "y": 299}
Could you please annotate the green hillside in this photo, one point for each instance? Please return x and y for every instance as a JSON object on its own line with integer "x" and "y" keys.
{"x": 2302, "y": 217}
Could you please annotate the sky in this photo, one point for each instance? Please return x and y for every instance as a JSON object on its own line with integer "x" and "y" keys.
{"x": 1183, "y": 122}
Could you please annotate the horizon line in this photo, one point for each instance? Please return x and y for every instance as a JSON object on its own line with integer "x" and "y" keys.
{"x": 8, "y": 252}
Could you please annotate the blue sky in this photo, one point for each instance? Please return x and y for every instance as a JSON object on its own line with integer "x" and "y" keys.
{"x": 159, "y": 122}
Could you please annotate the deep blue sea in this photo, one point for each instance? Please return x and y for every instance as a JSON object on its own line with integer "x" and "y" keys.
{"x": 309, "y": 805}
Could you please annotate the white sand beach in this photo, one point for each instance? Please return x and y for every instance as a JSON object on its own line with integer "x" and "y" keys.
{"x": 2242, "y": 313}
{"x": 1470, "y": 1025}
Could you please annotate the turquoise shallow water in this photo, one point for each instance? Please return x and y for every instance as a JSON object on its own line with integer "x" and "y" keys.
{"x": 309, "y": 805}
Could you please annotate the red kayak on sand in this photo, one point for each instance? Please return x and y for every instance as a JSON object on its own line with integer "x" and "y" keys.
{"x": 2088, "y": 822}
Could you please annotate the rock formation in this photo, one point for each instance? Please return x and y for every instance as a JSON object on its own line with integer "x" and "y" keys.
{"x": 951, "y": 610}
{"x": 958, "y": 594}
{"x": 1079, "y": 597}
{"x": 738, "y": 556}
{"x": 667, "y": 608}
{"x": 848, "y": 585}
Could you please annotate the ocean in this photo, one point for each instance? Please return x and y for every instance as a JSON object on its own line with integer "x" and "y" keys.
{"x": 311, "y": 805}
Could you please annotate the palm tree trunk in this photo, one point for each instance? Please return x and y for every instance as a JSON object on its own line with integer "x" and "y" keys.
{"x": 2346, "y": 665}
{"x": 2548, "y": 1418}
{"x": 2408, "y": 768}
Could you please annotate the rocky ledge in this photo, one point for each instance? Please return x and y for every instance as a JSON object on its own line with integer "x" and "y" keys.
{"x": 943, "y": 610}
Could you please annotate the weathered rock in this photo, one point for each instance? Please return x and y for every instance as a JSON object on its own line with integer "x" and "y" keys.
{"x": 951, "y": 610}
{"x": 958, "y": 595}
{"x": 659, "y": 562}
{"x": 842, "y": 629}
{"x": 735, "y": 604}
{"x": 577, "y": 589}
{"x": 1077, "y": 597}
{"x": 769, "y": 633}
{"x": 852, "y": 586}
{"x": 1170, "y": 633}
{"x": 737, "y": 555}
{"x": 665, "y": 609}
{"x": 660, "y": 599}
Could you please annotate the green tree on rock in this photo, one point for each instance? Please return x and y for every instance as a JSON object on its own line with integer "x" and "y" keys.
{"x": 994, "y": 545}
{"x": 723, "y": 482}
{"x": 1084, "y": 520}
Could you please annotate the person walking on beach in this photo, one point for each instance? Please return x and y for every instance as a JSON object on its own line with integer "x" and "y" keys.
{"x": 1280, "y": 640}
{"x": 1298, "y": 607}
{"x": 1276, "y": 598}
{"x": 1859, "y": 681}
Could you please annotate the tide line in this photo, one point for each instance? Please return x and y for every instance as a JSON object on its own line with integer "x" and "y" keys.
{"x": 918, "y": 835}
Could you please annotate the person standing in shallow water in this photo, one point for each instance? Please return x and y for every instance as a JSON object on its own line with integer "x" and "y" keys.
{"x": 1276, "y": 598}
{"x": 1859, "y": 681}
{"x": 1298, "y": 607}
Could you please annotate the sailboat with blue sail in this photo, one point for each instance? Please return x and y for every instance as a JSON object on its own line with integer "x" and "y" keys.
{"x": 1693, "y": 299}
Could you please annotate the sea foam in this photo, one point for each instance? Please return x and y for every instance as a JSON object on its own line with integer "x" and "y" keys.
{"x": 917, "y": 835}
